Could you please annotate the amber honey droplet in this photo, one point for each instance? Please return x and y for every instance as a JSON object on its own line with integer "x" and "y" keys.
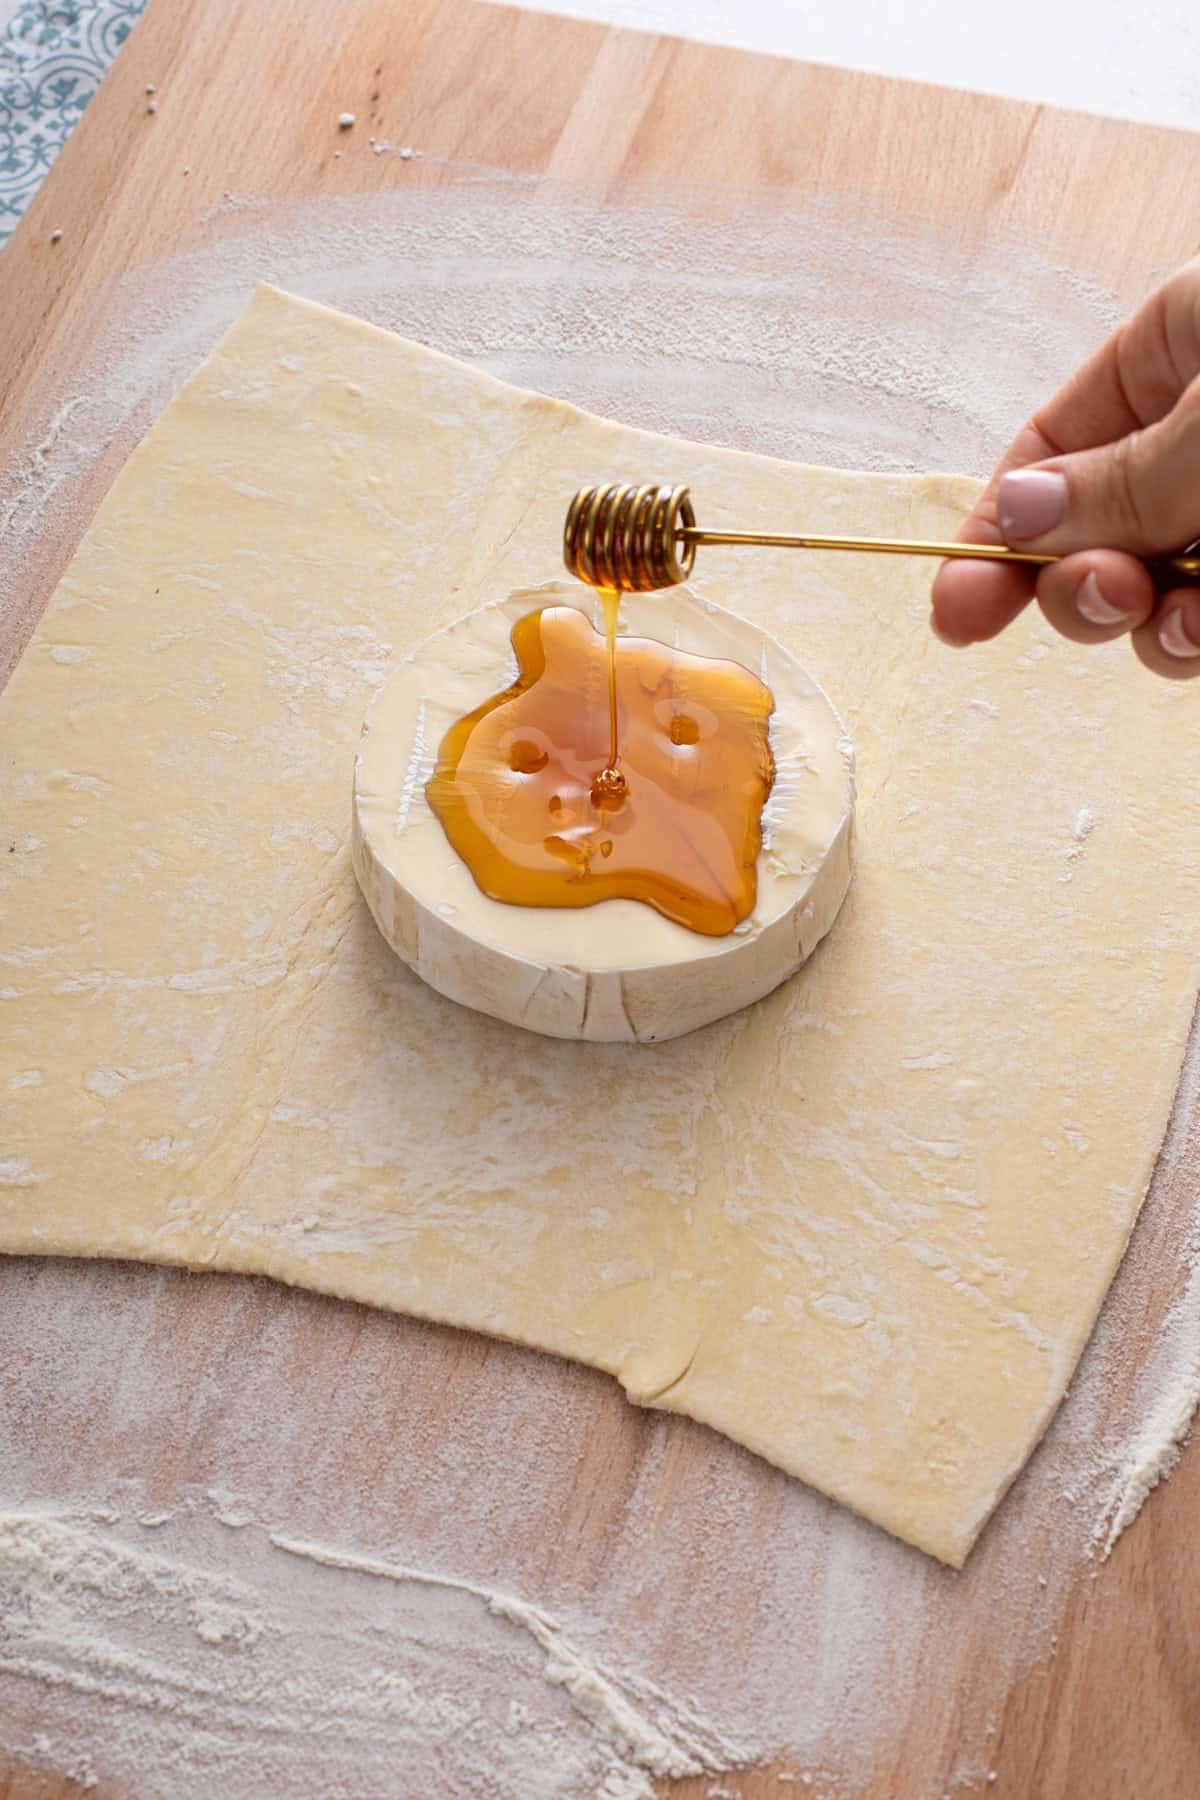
{"x": 684, "y": 730}
{"x": 626, "y": 770}
{"x": 609, "y": 789}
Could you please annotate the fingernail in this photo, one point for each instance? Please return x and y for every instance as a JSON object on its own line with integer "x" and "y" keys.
{"x": 1173, "y": 636}
{"x": 1031, "y": 501}
{"x": 1092, "y": 605}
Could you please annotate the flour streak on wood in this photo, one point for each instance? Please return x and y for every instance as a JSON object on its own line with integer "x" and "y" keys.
{"x": 377, "y": 1433}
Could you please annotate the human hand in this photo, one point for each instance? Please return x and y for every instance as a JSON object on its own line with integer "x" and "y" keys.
{"x": 1105, "y": 474}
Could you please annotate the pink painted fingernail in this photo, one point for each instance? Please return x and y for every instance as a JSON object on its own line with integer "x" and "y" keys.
{"x": 1092, "y": 605}
{"x": 1174, "y": 638}
{"x": 1031, "y": 501}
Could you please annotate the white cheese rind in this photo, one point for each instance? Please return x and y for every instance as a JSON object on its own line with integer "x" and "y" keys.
{"x": 617, "y": 971}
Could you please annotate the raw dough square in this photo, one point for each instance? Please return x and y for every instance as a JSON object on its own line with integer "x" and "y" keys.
{"x": 865, "y": 1227}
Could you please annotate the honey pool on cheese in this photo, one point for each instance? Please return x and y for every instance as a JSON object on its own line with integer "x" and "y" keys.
{"x": 551, "y": 799}
{"x": 619, "y": 971}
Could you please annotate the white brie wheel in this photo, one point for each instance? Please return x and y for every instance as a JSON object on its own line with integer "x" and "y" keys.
{"x": 617, "y": 971}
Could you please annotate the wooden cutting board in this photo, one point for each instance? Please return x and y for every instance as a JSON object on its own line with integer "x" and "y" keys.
{"x": 246, "y": 98}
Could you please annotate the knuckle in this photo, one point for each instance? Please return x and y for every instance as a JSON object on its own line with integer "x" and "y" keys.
{"x": 1127, "y": 490}
{"x": 1186, "y": 427}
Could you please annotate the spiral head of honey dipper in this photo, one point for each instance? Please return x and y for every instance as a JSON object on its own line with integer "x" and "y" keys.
{"x": 624, "y": 537}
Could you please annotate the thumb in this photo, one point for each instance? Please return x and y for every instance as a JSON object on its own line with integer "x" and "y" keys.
{"x": 1141, "y": 493}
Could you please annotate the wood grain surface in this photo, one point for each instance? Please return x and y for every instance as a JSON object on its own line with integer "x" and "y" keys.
{"x": 248, "y": 98}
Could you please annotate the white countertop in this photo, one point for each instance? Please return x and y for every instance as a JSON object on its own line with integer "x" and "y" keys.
{"x": 1133, "y": 62}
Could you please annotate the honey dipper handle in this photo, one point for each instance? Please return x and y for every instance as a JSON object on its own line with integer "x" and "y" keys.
{"x": 1186, "y": 564}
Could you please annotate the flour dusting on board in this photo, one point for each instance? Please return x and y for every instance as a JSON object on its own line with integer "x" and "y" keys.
{"x": 413, "y": 1680}
{"x": 152, "y": 1636}
{"x": 1166, "y": 1393}
{"x": 1170, "y": 1391}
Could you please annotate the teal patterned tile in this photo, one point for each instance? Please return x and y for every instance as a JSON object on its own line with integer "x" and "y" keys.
{"x": 53, "y": 57}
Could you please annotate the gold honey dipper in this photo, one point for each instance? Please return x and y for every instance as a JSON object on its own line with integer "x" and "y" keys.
{"x": 636, "y": 539}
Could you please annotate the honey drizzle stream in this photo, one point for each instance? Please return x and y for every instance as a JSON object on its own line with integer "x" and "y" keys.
{"x": 608, "y": 787}
{"x": 611, "y": 600}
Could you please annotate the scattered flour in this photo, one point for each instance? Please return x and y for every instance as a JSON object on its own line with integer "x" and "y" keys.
{"x": 1167, "y": 1390}
{"x": 256, "y": 1669}
{"x": 1171, "y": 1386}
{"x": 665, "y": 1748}
{"x": 1084, "y": 824}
